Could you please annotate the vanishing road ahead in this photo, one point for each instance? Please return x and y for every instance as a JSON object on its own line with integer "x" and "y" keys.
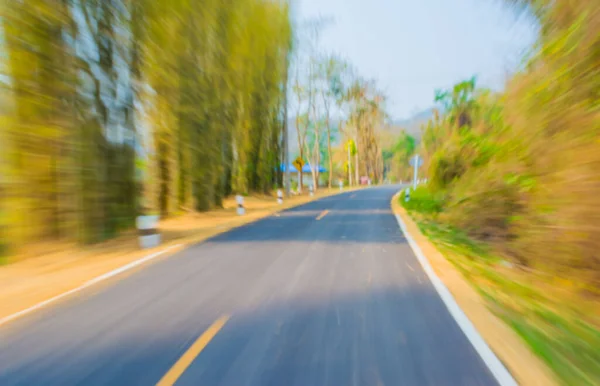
{"x": 328, "y": 293}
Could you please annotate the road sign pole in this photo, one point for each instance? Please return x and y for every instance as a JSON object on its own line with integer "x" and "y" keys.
{"x": 416, "y": 166}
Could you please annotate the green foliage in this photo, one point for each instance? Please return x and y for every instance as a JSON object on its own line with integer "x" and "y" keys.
{"x": 556, "y": 331}
{"x": 351, "y": 147}
{"x": 312, "y": 137}
{"x": 423, "y": 201}
{"x": 518, "y": 171}
{"x": 396, "y": 157}
{"x": 458, "y": 103}
{"x": 447, "y": 166}
{"x": 568, "y": 345}
{"x": 508, "y": 165}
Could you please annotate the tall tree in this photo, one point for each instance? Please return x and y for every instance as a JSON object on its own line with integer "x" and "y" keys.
{"x": 112, "y": 107}
{"x": 331, "y": 70}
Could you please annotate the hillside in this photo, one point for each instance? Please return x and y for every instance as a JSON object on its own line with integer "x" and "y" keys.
{"x": 412, "y": 125}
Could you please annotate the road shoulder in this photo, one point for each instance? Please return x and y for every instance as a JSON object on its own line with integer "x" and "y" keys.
{"x": 525, "y": 367}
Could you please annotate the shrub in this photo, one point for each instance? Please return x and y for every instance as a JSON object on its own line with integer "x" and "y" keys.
{"x": 423, "y": 200}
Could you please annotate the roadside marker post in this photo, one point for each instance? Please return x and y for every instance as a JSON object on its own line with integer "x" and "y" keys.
{"x": 311, "y": 190}
{"x": 407, "y": 195}
{"x": 240, "y": 205}
{"x": 148, "y": 231}
{"x": 341, "y": 185}
{"x": 279, "y": 196}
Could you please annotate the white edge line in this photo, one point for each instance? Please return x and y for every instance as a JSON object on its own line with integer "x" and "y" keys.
{"x": 496, "y": 367}
{"x": 87, "y": 284}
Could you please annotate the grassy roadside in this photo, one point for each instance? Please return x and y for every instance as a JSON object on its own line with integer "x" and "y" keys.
{"x": 559, "y": 325}
{"x": 50, "y": 269}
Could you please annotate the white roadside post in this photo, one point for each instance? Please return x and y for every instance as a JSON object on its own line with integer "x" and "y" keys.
{"x": 148, "y": 231}
{"x": 341, "y": 185}
{"x": 311, "y": 190}
{"x": 240, "y": 205}
{"x": 407, "y": 195}
{"x": 279, "y": 196}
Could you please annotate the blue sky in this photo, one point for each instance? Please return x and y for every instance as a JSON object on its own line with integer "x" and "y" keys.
{"x": 411, "y": 48}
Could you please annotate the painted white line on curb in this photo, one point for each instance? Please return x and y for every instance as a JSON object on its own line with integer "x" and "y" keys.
{"x": 87, "y": 284}
{"x": 496, "y": 367}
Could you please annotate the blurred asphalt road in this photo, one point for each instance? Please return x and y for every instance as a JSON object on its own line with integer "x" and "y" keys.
{"x": 339, "y": 300}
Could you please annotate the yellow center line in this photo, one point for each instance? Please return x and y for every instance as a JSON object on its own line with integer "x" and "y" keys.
{"x": 188, "y": 357}
{"x": 323, "y": 214}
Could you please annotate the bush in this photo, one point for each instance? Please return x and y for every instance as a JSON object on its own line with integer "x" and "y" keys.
{"x": 447, "y": 166}
{"x": 423, "y": 200}
{"x": 484, "y": 205}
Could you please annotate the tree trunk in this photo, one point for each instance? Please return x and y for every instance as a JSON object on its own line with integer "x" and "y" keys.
{"x": 356, "y": 167}
{"x": 318, "y": 158}
{"x": 329, "y": 155}
{"x": 349, "y": 165}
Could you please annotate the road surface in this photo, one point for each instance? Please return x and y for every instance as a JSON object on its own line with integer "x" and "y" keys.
{"x": 328, "y": 293}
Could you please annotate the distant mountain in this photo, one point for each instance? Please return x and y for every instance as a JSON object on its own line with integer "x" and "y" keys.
{"x": 419, "y": 117}
{"x": 412, "y": 125}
